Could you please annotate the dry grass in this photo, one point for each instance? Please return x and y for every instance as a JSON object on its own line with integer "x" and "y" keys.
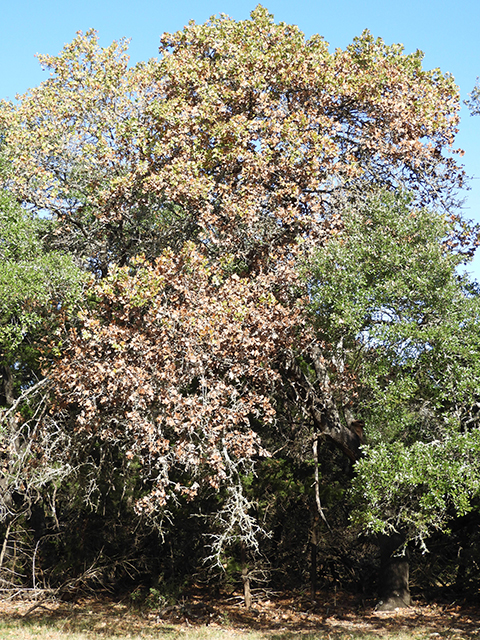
{"x": 291, "y": 618}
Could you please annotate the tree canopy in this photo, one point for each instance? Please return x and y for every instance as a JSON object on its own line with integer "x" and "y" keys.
{"x": 393, "y": 310}
{"x": 37, "y": 286}
{"x": 241, "y": 130}
{"x": 272, "y": 244}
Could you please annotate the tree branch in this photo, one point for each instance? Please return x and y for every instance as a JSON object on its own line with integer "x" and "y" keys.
{"x": 320, "y": 404}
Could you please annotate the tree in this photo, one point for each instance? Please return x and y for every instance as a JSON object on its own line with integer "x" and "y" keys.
{"x": 195, "y": 187}
{"x": 38, "y": 286}
{"x": 175, "y": 360}
{"x": 244, "y": 128}
{"x": 244, "y": 148}
{"x": 38, "y": 289}
{"x": 395, "y": 314}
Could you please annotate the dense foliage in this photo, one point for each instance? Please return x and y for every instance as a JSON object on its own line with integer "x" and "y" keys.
{"x": 37, "y": 287}
{"x": 387, "y": 296}
{"x": 268, "y": 242}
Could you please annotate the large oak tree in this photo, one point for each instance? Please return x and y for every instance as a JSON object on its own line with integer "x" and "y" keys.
{"x": 194, "y": 187}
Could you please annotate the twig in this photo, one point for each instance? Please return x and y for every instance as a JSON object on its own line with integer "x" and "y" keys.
{"x": 37, "y": 605}
{"x": 317, "y": 489}
{"x": 26, "y": 393}
{"x": 4, "y": 546}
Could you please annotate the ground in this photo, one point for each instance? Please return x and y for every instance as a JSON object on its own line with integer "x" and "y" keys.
{"x": 332, "y": 616}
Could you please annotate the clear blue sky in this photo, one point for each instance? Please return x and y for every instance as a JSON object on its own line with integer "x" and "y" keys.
{"x": 448, "y": 33}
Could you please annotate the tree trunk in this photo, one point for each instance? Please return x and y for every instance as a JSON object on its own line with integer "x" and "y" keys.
{"x": 247, "y": 594}
{"x": 6, "y": 388}
{"x": 394, "y": 592}
{"x": 4, "y": 545}
{"x": 319, "y": 401}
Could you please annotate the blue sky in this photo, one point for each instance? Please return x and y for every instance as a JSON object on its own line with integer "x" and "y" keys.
{"x": 447, "y": 32}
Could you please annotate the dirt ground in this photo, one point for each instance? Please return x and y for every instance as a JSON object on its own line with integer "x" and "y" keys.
{"x": 332, "y": 614}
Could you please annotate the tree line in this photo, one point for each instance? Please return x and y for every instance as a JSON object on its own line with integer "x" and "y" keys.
{"x": 237, "y": 339}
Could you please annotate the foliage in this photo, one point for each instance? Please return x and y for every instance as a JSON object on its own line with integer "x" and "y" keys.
{"x": 389, "y": 304}
{"x": 474, "y": 100}
{"x": 246, "y": 126}
{"x": 172, "y": 363}
{"x": 387, "y": 298}
{"x": 269, "y": 267}
{"x": 419, "y": 488}
{"x": 36, "y": 286}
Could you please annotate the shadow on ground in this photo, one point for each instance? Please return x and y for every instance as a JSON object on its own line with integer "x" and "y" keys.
{"x": 275, "y": 618}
